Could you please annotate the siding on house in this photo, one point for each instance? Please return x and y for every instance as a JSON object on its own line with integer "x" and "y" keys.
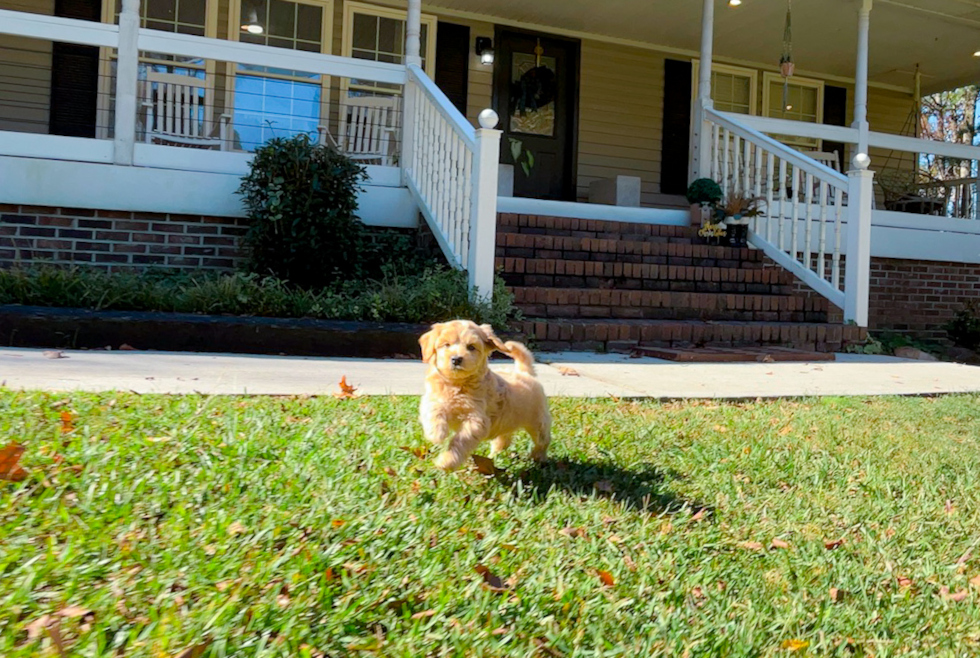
{"x": 25, "y": 74}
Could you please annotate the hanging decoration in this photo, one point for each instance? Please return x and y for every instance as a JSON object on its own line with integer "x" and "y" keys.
{"x": 537, "y": 87}
{"x": 786, "y": 65}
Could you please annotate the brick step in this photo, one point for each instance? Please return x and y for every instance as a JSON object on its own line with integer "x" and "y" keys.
{"x": 660, "y": 305}
{"x": 591, "y": 228}
{"x": 768, "y": 354}
{"x": 554, "y": 273}
{"x": 516, "y": 245}
{"x": 626, "y": 335}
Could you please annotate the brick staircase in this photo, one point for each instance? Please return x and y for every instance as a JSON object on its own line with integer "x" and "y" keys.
{"x": 598, "y": 285}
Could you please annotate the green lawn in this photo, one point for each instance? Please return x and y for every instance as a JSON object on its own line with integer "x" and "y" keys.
{"x": 311, "y": 527}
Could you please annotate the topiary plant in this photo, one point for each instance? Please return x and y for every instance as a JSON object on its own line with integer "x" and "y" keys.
{"x": 704, "y": 191}
{"x": 301, "y": 202}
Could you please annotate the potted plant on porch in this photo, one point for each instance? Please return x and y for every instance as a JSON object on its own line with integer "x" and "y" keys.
{"x": 736, "y": 211}
{"x": 704, "y": 195}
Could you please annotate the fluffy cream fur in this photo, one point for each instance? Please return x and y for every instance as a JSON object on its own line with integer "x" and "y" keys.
{"x": 466, "y": 403}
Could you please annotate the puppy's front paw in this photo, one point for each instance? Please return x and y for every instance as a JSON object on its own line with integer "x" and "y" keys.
{"x": 447, "y": 461}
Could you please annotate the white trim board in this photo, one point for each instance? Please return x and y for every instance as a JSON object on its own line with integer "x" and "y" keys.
{"x": 59, "y": 183}
{"x": 571, "y": 209}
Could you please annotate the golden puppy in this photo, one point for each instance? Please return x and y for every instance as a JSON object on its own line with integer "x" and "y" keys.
{"x": 465, "y": 403}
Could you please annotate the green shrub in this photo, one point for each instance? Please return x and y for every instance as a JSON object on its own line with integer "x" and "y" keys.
{"x": 964, "y": 328}
{"x": 704, "y": 191}
{"x": 432, "y": 294}
{"x": 301, "y": 201}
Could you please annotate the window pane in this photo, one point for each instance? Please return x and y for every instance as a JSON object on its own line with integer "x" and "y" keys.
{"x": 388, "y": 33}
{"x": 266, "y": 108}
{"x": 309, "y": 24}
{"x": 365, "y": 32}
{"x": 282, "y": 19}
{"x": 192, "y": 12}
{"x": 164, "y": 10}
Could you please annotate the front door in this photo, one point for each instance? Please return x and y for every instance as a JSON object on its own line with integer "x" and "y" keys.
{"x": 536, "y": 96}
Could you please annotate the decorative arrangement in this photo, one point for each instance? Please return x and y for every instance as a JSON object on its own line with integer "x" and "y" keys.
{"x": 735, "y": 213}
{"x": 786, "y": 65}
{"x": 704, "y": 195}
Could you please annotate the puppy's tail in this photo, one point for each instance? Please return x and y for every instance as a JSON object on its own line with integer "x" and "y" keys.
{"x": 522, "y": 356}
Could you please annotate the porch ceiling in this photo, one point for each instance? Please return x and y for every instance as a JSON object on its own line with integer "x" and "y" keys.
{"x": 939, "y": 35}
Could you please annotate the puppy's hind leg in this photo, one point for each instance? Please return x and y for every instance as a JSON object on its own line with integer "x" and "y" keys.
{"x": 541, "y": 436}
{"x": 500, "y": 444}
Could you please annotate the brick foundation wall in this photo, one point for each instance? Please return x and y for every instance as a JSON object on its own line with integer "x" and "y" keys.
{"x": 918, "y": 297}
{"x": 118, "y": 240}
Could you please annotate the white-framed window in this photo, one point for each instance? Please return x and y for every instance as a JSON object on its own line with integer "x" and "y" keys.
{"x": 803, "y": 101}
{"x": 194, "y": 17}
{"x": 268, "y": 102}
{"x": 378, "y": 34}
{"x": 733, "y": 88}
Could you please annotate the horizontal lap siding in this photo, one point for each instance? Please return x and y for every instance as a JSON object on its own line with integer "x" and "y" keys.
{"x": 620, "y": 116}
{"x": 25, "y": 75}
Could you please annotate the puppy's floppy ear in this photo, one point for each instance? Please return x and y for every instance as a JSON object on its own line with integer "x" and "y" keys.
{"x": 491, "y": 339}
{"x": 428, "y": 343}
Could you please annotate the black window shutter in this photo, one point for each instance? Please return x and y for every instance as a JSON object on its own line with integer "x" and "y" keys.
{"x": 676, "y": 127}
{"x": 453, "y": 62}
{"x": 835, "y": 114}
{"x": 74, "y": 76}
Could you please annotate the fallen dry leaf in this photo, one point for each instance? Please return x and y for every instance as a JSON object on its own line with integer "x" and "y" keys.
{"x": 283, "y": 600}
{"x": 904, "y": 582}
{"x": 751, "y": 545}
{"x": 604, "y": 486}
{"x": 74, "y": 611}
{"x": 10, "y": 468}
{"x": 337, "y": 523}
{"x": 542, "y": 645}
{"x": 67, "y": 422}
{"x": 236, "y": 528}
{"x": 795, "y": 645}
{"x": 54, "y": 632}
{"x": 720, "y": 429}
{"x": 950, "y": 508}
{"x": 159, "y": 439}
{"x": 126, "y": 347}
{"x": 490, "y": 580}
{"x": 347, "y": 392}
{"x": 36, "y": 627}
{"x": 836, "y": 595}
{"x": 484, "y": 465}
{"x": 975, "y": 581}
{"x": 423, "y": 614}
{"x": 606, "y": 578}
{"x": 779, "y": 543}
{"x": 831, "y": 545}
{"x": 420, "y": 453}
{"x": 54, "y": 354}
{"x": 957, "y": 596}
{"x": 568, "y": 372}
{"x": 630, "y": 564}
{"x": 195, "y": 651}
{"x": 574, "y": 533}
{"x": 698, "y": 515}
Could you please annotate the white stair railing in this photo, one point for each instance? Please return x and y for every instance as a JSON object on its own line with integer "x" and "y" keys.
{"x": 811, "y": 213}
{"x": 451, "y": 170}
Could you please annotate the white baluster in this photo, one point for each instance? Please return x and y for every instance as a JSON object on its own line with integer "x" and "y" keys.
{"x": 794, "y": 229}
{"x": 715, "y": 151}
{"x": 726, "y": 143}
{"x": 808, "y": 220}
{"x": 736, "y": 151}
{"x": 782, "y": 203}
{"x": 747, "y": 166}
{"x": 821, "y": 258}
{"x": 838, "y": 230}
{"x": 770, "y": 181}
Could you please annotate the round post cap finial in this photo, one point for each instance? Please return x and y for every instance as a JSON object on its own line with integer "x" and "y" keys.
{"x": 488, "y": 119}
{"x": 861, "y": 161}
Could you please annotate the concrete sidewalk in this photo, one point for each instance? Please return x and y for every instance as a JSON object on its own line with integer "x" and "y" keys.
{"x": 565, "y": 374}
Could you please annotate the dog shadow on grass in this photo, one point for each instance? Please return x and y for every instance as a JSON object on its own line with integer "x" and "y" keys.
{"x": 639, "y": 490}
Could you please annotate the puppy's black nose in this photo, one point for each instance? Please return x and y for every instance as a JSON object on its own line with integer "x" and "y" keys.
{"x": 457, "y": 361}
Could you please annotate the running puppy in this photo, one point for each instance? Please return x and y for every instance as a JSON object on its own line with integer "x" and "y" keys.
{"x": 466, "y": 403}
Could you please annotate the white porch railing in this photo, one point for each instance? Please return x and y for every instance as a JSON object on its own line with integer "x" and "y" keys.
{"x": 451, "y": 170}
{"x": 805, "y": 208}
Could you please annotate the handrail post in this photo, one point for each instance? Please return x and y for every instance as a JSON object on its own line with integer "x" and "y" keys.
{"x": 127, "y": 80}
{"x": 483, "y": 207}
{"x": 701, "y": 133}
{"x": 409, "y": 117}
{"x": 857, "y": 272}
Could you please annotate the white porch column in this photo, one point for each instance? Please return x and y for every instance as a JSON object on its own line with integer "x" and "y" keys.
{"x": 701, "y": 135}
{"x": 861, "y": 75}
{"x": 857, "y": 267}
{"x": 483, "y": 207}
{"x": 127, "y": 74}
{"x": 413, "y": 33}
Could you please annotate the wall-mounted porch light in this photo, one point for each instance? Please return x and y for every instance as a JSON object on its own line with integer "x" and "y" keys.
{"x": 484, "y": 48}
{"x": 252, "y": 25}
{"x": 734, "y": 3}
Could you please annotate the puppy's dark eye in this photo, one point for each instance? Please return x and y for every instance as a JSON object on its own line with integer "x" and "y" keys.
{"x": 471, "y": 347}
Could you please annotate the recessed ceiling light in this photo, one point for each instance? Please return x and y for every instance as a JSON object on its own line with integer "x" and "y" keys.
{"x": 734, "y": 3}
{"x": 977, "y": 54}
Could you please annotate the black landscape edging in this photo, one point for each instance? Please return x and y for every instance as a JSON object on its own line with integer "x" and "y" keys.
{"x": 70, "y": 328}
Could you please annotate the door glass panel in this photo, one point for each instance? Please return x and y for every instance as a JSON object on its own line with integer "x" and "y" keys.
{"x": 533, "y": 90}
